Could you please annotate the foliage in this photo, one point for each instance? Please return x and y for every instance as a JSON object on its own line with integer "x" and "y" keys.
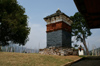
{"x": 79, "y": 27}
{"x": 0, "y": 49}
{"x": 13, "y": 23}
{"x": 75, "y": 45}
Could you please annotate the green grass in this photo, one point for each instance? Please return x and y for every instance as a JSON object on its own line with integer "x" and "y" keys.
{"x": 86, "y": 56}
{"x": 32, "y": 59}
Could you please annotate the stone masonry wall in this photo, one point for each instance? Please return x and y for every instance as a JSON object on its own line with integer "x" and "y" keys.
{"x": 66, "y": 39}
{"x": 59, "y": 38}
{"x": 60, "y": 51}
{"x": 54, "y": 38}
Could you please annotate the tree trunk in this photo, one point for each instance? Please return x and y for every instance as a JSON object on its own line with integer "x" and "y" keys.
{"x": 84, "y": 43}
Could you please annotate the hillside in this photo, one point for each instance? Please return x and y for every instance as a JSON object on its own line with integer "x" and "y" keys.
{"x": 32, "y": 59}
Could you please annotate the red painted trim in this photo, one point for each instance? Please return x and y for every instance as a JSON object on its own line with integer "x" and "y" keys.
{"x": 58, "y": 26}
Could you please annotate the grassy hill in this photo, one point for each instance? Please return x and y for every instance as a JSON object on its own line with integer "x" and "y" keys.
{"x": 32, "y": 59}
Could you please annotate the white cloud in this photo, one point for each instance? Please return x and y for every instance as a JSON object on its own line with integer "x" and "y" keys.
{"x": 37, "y": 37}
{"x": 94, "y": 39}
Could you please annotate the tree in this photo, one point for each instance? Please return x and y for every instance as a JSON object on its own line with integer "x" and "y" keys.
{"x": 80, "y": 29}
{"x": 13, "y": 23}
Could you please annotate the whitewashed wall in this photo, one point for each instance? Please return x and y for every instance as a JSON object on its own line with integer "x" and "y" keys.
{"x": 81, "y": 52}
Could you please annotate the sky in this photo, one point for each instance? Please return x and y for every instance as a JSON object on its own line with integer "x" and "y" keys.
{"x": 36, "y": 10}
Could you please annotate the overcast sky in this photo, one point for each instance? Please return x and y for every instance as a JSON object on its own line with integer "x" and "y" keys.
{"x": 38, "y": 9}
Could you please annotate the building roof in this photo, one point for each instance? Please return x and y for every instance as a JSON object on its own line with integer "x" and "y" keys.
{"x": 91, "y": 11}
{"x": 58, "y": 12}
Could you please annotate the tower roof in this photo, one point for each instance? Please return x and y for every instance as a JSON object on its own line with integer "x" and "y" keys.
{"x": 58, "y": 12}
{"x": 57, "y": 17}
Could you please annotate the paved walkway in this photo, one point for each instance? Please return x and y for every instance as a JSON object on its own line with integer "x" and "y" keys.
{"x": 88, "y": 61}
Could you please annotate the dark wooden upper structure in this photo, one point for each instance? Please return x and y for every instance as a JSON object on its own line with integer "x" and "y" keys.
{"x": 91, "y": 11}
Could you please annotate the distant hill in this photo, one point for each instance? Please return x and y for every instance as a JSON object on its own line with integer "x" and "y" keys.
{"x": 16, "y": 48}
